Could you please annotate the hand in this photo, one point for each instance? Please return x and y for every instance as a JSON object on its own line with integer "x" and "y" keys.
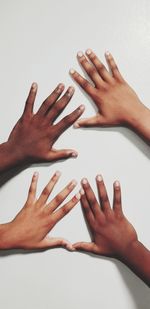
{"x": 33, "y": 136}
{"x": 116, "y": 101}
{"x": 37, "y": 218}
{"x": 112, "y": 234}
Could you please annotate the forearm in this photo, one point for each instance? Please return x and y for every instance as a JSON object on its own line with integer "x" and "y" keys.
{"x": 139, "y": 122}
{"x": 9, "y": 157}
{"x": 137, "y": 258}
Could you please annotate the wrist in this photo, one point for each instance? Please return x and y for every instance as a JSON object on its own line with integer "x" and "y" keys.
{"x": 5, "y": 236}
{"x": 139, "y": 120}
{"x": 10, "y": 156}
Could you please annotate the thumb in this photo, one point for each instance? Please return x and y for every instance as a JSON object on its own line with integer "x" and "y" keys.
{"x": 84, "y": 246}
{"x": 55, "y": 155}
{"x": 53, "y": 242}
{"x": 94, "y": 121}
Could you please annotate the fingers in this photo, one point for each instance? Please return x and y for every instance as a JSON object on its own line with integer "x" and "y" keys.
{"x": 84, "y": 246}
{"x": 90, "y": 70}
{"x": 32, "y": 189}
{"x": 86, "y": 209}
{"x": 82, "y": 82}
{"x": 48, "y": 189}
{"x": 89, "y": 122}
{"x": 90, "y": 197}
{"x": 113, "y": 66}
{"x": 117, "y": 204}
{"x": 55, "y": 155}
{"x": 103, "y": 197}
{"x": 104, "y": 74}
{"x": 52, "y": 98}
{"x": 59, "y": 198}
{"x": 30, "y": 99}
{"x": 51, "y": 242}
{"x": 67, "y": 121}
{"x": 60, "y": 105}
{"x": 63, "y": 211}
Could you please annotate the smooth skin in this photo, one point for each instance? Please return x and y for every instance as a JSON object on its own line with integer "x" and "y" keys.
{"x": 33, "y": 137}
{"x": 117, "y": 103}
{"x": 112, "y": 234}
{"x": 30, "y": 228}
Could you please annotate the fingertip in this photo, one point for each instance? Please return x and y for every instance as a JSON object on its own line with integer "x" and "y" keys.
{"x": 82, "y": 192}
{"x": 36, "y": 175}
{"x": 89, "y": 51}
{"x": 71, "y": 71}
{"x": 34, "y": 86}
{"x": 58, "y": 173}
{"x": 117, "y": 184}
{"x": 76, "y": 125}
{"x": 99, "y": 178}
{"x": 73, "y": 154}
{"x": 82, "y": 107}
{"x": 107, "y": 53}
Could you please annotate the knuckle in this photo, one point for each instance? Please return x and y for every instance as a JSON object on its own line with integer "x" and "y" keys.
{"x": 101, "y": 67}
{"x": 92, "y": 70}
{"x": 64, "y": 210}
{"x": 104, "y": 198}
{"x": 59, "y": 198}
{"x": 85, "y": 84}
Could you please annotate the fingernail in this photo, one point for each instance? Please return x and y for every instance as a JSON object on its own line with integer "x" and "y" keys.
{"x": 70, "y": 91}
{"x": 57, "y": 173}
{"x": 71, "y": 71}
{"x": 88, "y": 51}
{"x": 34, "y": 86}
{"x": 78, "y": 195}
{"x": 72, "y": 184}
{"x": 82, "y": 192}
{"x": 107, "y": 53}
{"x": 84, "y": 181}
{"x": 74, "y": 154}
{"x": 60, "y": 88}
{"x": 80, "y": 54}
{"x": 117, "y": 183}
{"x": 36, "y": 174}
{"x": 76, "y": 125}
{"x": 81, "y": 107}
{"x": 99, "y": 178}
{"x": 69, "y": 247}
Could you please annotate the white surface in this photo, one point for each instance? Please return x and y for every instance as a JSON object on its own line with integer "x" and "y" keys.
{"x": 39, "y": 41}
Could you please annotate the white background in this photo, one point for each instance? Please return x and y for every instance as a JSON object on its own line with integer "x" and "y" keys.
{"x": 39, "y": 41}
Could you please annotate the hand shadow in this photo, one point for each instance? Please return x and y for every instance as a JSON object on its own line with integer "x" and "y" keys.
{"x": 6, "y": 176}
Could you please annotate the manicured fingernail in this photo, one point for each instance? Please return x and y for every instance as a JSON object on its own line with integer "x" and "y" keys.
{"x": 84, "y": 181}
{"x": 99, "y": 178}
{"x": 82, "y": 192}
{"x": 34, "y": 86}
{"x": 60, "y": 88}
{"x": 81, "y": 107}
{"x": 57, "y": 173}
{"x": 80, "y": 54}
{"x": 107, "y": 53}
{"x": 72, "y": 184}
{"x": 74, "y": 154}
{"x": 71, "y": 71}
{"x": 88, "y": 51}
{"x": 70, "y": 91}
{"x": 76, "y": 125}
{"x": 117, "y": 183}
{"x": 36, "y": 174}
